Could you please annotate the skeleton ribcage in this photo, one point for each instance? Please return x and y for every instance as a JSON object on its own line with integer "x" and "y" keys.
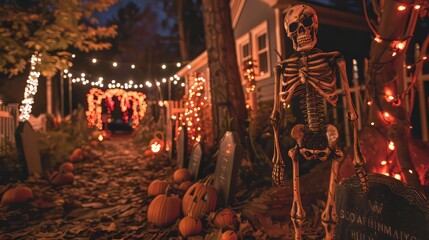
{"x": 314, "y": 71}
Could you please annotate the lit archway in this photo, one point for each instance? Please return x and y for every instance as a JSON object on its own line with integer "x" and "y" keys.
{"x": 128, "y": 99}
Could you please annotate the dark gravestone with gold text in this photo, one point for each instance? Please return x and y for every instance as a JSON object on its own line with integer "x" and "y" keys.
{"x": 28, "y": 147}
{"x": 195, "y": 161}
{"x": 389, "y": 211}
{"x": 182, "y": 148}
{"x": 227, "y": 164}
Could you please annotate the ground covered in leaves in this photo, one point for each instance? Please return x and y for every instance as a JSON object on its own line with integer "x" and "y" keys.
{"x": 108, "y": 200}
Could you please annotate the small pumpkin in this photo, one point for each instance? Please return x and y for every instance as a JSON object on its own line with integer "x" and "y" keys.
{"x": 184, "y": 186}
{"x": 204, "y": 195}
{"x": 164, "y": 209}
{"x": 226, "y": 218}
{"x": 229, "y": 235}
{"x": 157, "y": 187}
{"x": 67, "y": 167}
{"x": 181, "y": 175}
{"x": 76, "y": 155}
{"x": 19, "y": 194}
{"x": 190, "y": 226}
{"x": 62, "y": 178}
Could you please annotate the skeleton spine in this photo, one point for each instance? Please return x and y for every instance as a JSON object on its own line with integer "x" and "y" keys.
{"x": 312, "y": 108}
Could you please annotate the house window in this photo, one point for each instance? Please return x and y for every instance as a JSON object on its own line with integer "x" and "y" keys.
{"x": 260, "y": 48}
{"x": 244, "y": 50}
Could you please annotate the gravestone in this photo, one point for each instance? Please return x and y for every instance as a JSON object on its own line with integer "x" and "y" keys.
{"x": 182, "y": 149}
{"x": 227, "y": 164}
{"x": 195, "y": 161}
{"x": 28, "y": 147}
{"x": 389, "y": 211}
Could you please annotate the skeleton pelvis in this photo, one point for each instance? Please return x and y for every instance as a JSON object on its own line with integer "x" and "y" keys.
{"x": 315, "y": 145}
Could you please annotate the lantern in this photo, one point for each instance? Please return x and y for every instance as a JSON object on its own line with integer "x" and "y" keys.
{"x": 204, "y": 195}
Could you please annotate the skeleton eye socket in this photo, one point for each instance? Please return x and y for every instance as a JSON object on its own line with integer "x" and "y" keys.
{"x": 293, "y": 27}
{"x": 308, "y": 153}
{"x": 321, "y": 154}
{"x": 307, "y": 22}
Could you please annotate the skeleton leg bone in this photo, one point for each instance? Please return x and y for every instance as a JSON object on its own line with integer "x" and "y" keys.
{"x": 329, "y": 215}
{"x": 297, "y": 213}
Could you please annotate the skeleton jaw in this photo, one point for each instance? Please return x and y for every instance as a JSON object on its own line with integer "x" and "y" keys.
{"x": 304, "y": 42}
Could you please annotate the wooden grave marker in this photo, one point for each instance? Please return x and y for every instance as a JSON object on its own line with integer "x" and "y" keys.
{"x": 389, "y": 211}
{"x": 195, "y": 161}
{"x": 28, "y": 147}
{"x": 182, "y": 149}
{"x": 227, "y": 164}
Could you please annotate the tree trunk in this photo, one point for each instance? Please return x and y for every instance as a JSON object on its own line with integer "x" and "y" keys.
{"x": 184, "y": 46}
{"x": 386, "y": 72}
{"x": 228, "y": 105}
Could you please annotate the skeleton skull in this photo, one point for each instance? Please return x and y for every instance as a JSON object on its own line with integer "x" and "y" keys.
{"x": 301, "y": 26}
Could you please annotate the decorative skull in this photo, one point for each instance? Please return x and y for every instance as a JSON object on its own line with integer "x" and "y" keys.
{"x": 301, "y": 26}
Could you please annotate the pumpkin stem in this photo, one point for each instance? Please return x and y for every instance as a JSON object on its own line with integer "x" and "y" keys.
{"x": 209, "y": 180}
{"x": 168, "y": 190}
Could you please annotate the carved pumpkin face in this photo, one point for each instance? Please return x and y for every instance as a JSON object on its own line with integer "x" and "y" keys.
{"x": 203, "y": 195}
{"x": 226, "y": 218}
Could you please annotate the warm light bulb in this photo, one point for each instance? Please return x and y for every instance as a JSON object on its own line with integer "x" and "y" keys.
{"x": 378, "y": 39}
{"x": 164, "y": 66}
{"x": 372, "y": 123}
{"x": 133, "y": 66}
{"x": 369, "y": 103}
{"x": 417, "y": 7}
{"x": 384, "y": 162}
{"x": 115, "y": 64}
{"x": 391, "y": 145}
{"x": 401, "y": 7}
{"x": 189, "y": 66}
{"x": 178, "y": 64}
{"x": 94, "y": 60}
{"x": 398, "y": 176}
{"x": 100, "y": 137}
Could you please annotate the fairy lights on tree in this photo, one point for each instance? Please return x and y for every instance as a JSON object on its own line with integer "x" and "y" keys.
{"x": 30, "y": 89}
{"x": 249, "y": 75}
{"x": 128, "y": 99}
{"x": 195, "y": 103}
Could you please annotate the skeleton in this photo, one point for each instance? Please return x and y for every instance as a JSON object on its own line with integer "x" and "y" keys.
{"x": 311, "y": 74}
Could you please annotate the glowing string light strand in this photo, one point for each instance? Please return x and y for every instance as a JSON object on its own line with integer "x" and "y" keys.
{"x": 30, "y": 89}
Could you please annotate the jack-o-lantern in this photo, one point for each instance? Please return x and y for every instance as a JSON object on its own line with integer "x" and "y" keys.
{"x": 229, "y": 235}
{"x": 181, "y": 175}
{"x": 157, "y": 143}
{"x": 164, "y": 209}
{"x": 203, "y": 195}
{"x": 19, "y": 194}
{"x": 157, "y": 187}
{"x": 226, "y": 218}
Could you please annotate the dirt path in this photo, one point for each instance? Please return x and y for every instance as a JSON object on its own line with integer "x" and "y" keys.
{"x": 107, "y": 200}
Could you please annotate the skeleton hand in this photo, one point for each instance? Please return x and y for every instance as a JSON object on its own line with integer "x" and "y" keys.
{"x": 278, "y": 174}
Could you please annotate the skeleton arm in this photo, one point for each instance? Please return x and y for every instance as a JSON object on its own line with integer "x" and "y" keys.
{"x": 358, "y": 159}
{"x": 278, "y": 162}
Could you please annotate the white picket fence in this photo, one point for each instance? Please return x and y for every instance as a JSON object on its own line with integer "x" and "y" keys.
{"x": 8, "y": 122}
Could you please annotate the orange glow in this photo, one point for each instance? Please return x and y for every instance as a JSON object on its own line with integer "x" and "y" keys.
{"x": 417, "y": 7}
{"x": 386, "y": 173}
{"x": 369, "y": 103}
{"x": 393, "y": 54}
{"x": 100, "y": 137}
{"x": 391, "y": 146}
{"x": 398, "y": 176}
{"x": 384, "y": 162}
{"x": 402, "y": 8}
{"x": 155, "y": 147}
{"x": 378, "y": 39}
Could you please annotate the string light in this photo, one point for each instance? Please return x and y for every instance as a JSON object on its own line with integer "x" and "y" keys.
{"x": 115, "y": 64}
{"x": 391, "y": 145}
{"x": 249, "y": 75}
{"x": 133, "y": 66}
{"x": 94, "y": 60}
{"x": 164, "y": 66}
{"x": 30, "y": 89}
{"x": 128, "y": 99}
{"x": 401, "y": 7}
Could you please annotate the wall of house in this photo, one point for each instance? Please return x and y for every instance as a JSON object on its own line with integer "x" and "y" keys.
{"x": 255, "y": 12}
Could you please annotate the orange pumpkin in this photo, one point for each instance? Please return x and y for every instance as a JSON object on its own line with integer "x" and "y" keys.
{"x": 62, "y": 178}
{"x": 19, "y": 194}
{"x": 226, "y": 218}
{"x": 184, "y": 186}
{"x": 164, "y": 209}
{"x": 67, "y": 167}
{"x": 157, "y": 187}
{"x": 229, "y": 235}
{"x": 181, "y": 175}
{"x": 204, "y": 195}
{"x": 190, "y": 226}
{"x": 76, "y": 155}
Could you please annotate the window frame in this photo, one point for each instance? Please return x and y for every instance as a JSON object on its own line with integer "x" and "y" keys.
{"x": 255, "y": 33}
